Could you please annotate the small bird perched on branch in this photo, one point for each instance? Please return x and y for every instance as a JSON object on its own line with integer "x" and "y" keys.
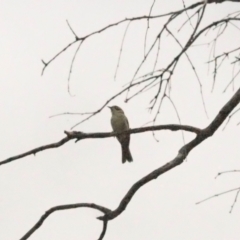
{"x": 119, "y": 124}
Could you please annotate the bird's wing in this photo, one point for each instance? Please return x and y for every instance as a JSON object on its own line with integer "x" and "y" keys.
{"x": 127, "y": 122}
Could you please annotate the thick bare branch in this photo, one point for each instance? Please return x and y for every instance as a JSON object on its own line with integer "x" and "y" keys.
{"x": 105, "y": 223}
{"x": 66, "y": 207}
{"x": 182, "y": 154}
{"x": 201, "y": 134}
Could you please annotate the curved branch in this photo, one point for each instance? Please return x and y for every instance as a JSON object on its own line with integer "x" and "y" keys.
{"x": 105, "y": 223}
{"x": 66, "y": 207}
{"x": 80, "y": 136}
{"x": 182, "y": 154}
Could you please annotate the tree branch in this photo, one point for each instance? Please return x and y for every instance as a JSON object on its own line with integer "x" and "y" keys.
{"x": 66, "y": 207}
{"x": 46, "y": 64}
{"x": 182, "y": 154}
{"x": 80, "y": 136}
{"x": 221, "y": 1}
{"x": 36, "y": 150}
{"x": 105, "y": 223}
{"x": 202, "y": 135}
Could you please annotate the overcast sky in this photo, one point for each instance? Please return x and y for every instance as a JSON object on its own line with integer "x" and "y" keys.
{"x": 91, "y": 170}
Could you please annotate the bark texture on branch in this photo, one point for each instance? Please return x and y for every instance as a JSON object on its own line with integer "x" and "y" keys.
{"x": 221, "y": 1}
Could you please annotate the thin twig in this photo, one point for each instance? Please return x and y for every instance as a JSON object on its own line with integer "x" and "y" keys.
{"x": 120, "y": 53}
{"x": 189, "y": 19}
{"x": 229, "y": 118}
{"x": 231, "y": 81}
{"x": 58, "y": 54}
{"x": 145, "y": 39}
{"x": 46, "y": 64}
{"x": 105, "y": 223}
{"x": 178, "y": 116}
{"x": 70, "y": 70}
{"x": 218, "y": 194}
{"x": 76, "y": 36}
{"x": 109, "y": 100}
{"x": 235, "y": 201}
{"x": 70, "y": 113}
{"x": 230, "y": 171}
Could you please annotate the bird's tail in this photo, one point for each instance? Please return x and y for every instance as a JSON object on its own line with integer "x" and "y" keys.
{"x": 126, "y": 154}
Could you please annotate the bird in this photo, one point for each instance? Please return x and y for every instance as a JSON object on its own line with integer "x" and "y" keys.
{"x": 120, "y": 123}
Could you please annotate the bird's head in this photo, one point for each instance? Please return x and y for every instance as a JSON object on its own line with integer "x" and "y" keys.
{"x": 116, "y": 110}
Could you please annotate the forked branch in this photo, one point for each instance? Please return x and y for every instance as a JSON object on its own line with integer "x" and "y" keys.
{"x": 201, "y": 136}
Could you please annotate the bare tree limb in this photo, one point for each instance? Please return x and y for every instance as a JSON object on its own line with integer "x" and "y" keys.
{"x": 36, "y": 150}
{"x": 202, "y": 135}
{"x": 80, "y": 136}
{"x": 105, "y": 223}
{"x": 67, "y": 207}
{"x": 182, "y": 154}
{"x": 221, "y": 1}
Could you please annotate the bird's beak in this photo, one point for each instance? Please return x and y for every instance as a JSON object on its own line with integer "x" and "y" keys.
{"x": 109, "y": 107}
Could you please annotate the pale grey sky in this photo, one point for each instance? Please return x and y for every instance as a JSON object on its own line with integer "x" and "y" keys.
{"x": 91, "y": 170}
